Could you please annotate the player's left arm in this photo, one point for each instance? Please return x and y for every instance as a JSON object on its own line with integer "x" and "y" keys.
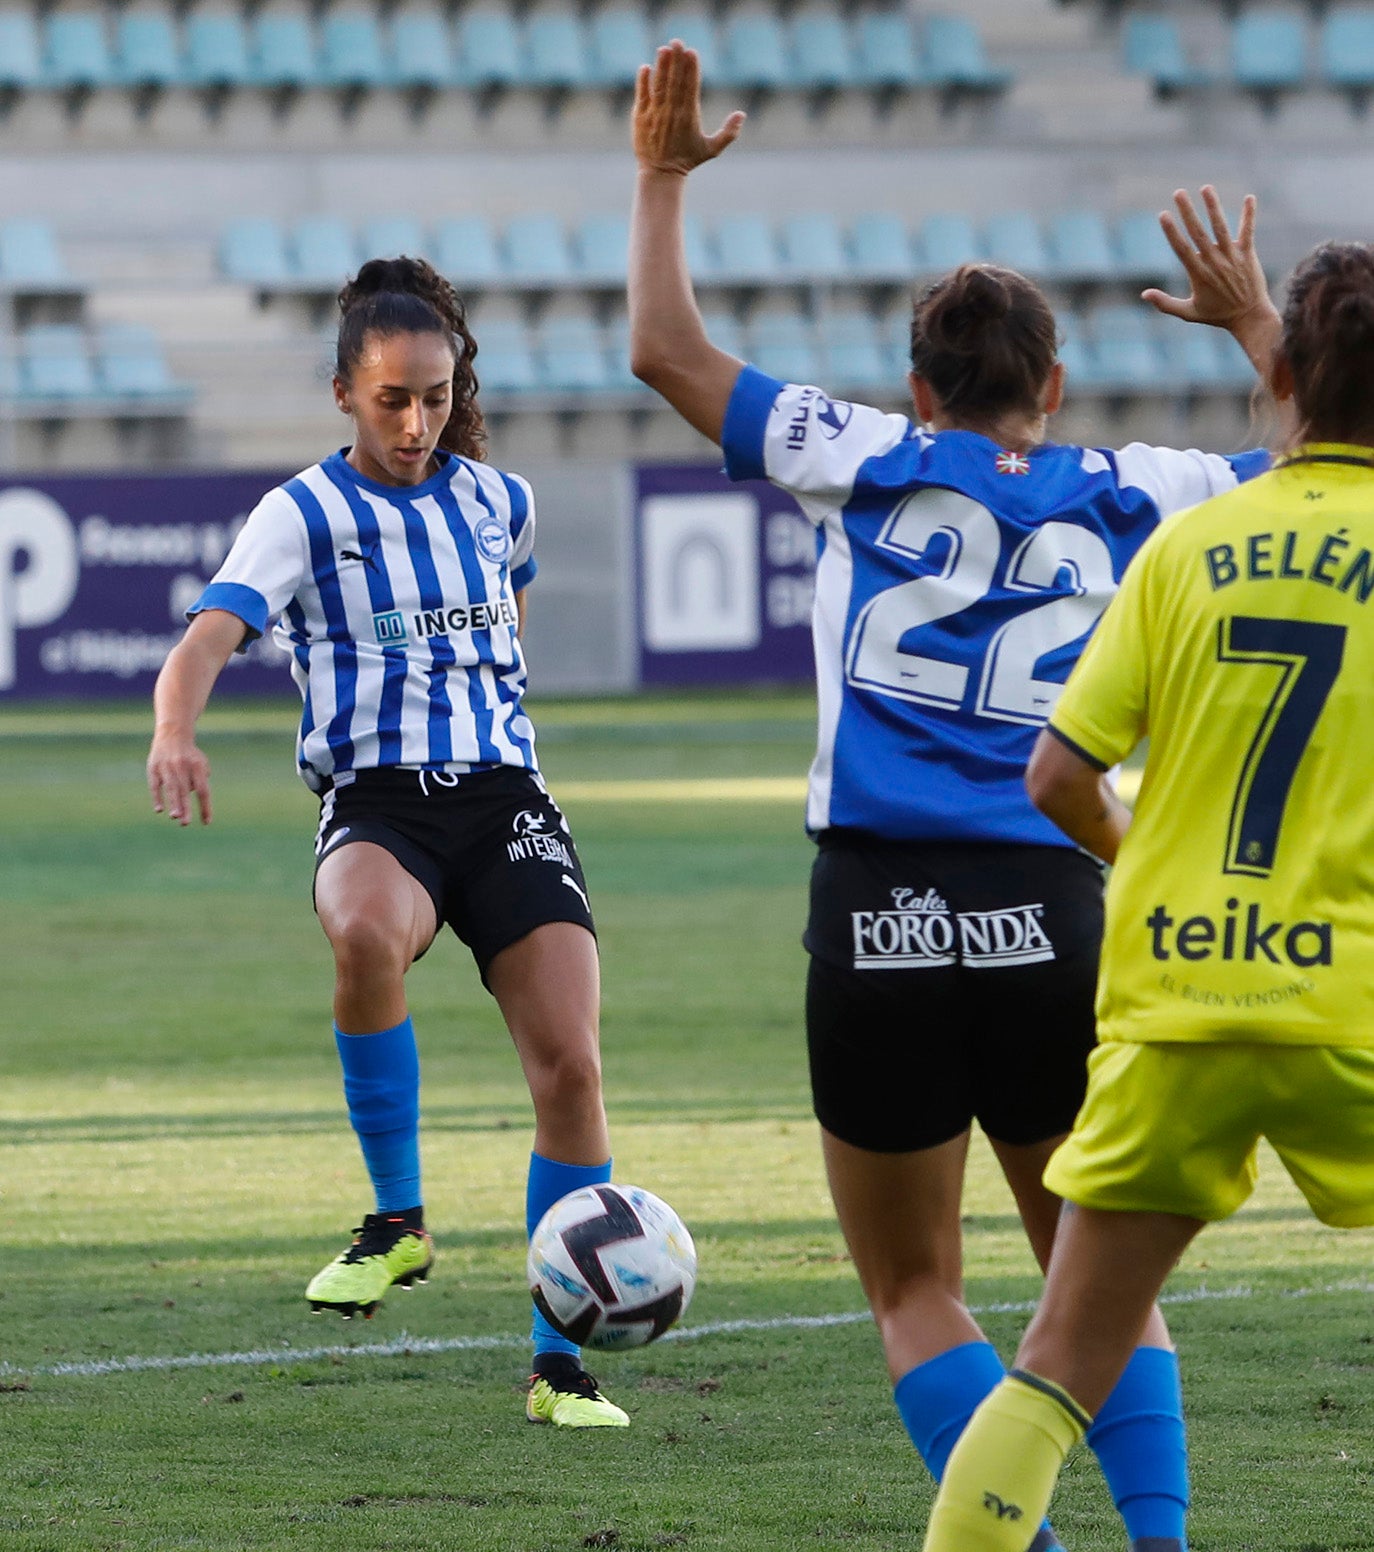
{"x": 669, "y": 346}
{"x": 1077, "y": 795}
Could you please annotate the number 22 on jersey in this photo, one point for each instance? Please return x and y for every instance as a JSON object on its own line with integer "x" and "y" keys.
{"x": 1006, "y": 687}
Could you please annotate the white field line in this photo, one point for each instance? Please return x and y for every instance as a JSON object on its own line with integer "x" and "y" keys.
{"x": 404, "y": 1346}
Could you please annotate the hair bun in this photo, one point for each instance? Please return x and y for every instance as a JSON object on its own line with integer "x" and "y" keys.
{"x": 975, "y": 302}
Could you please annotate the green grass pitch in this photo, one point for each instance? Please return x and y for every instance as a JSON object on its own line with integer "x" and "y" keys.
{"x": 175, "y": 1162}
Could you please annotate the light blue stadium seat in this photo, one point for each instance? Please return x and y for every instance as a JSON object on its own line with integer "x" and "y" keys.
{"x": 217, "y": 52}
{"x": 1144, "y": 249}
{"x": 536, "y": 248}
{"x": 895, "y": 339}
{"x": 703, "y": 263}
{"x": 1194, "y": 356}
{"x": 556, "y": 51}
{"x": 886, "y": 52}
{"x": 1268, "y": 51}
{"x": 324, "y": 252}
{"x": 1080, "y": 246}
{"x": 602, "y": 244}
{"x": 284, "y": 51}
{"x": 947, "y": 241}
{"x": 755, "y": 53}
{"x": 619, "y": 375}
{"x": 880, "y": 247}
{"x": 1014, "y": 239}
{"x": 422, "y": 51}
{"x": 10, "y": 382}
{"x": 29, "y": 256}
{"x": 1345, "y": 49}
{"x": 851, "y": 352}
{"x": 724, "y": 332}
{"x": 78, "y": 52}
{"x": 745, "y": 248}
{"x": 253, "y": 252}
{"x": 822, "y": 51}
{"x": 572, "y": 356}
{"x": 21, "y": 62}
{"x": 489, "y": 49}
{"x": 618, "y": 42}
{"x": 954, "y": 56}
{"x": 1125, "y": 351}
{"x": 130, "y": 364}
{"x": 390, "y": 237}
{"x": 1152, "y": 46}
{"x": 505, "y": 362}
{"x": 465, "y": 250}
{"x": 351, "y": 51}
{"x": 693, "y": 24}
{"x": 784, "y": 347}
{"x": 1073, "y": 351}
{"x": 54, "y": 363}
{"x": 813, "y": 247}
{"x": 146, "y": 52}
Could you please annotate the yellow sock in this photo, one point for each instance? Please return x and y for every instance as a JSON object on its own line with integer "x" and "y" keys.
{"x": 999, "y": 1480}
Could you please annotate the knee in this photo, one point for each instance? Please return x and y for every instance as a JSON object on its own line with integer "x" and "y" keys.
{"x": 366, "y": 948}
{"x": 567, "y": 1077}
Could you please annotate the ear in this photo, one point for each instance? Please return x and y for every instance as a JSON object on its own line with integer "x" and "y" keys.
{"x": 1281, "y": 378}
{"x": 923, "y": 397}
{"x": 1053, "y": 396}
{"x": 341, "y": 396}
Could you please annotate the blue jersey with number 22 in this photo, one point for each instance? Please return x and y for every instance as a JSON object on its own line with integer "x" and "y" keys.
{"x": 956, "y": 585}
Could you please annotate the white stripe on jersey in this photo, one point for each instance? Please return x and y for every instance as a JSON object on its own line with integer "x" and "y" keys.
{"x": 834, "y": 578}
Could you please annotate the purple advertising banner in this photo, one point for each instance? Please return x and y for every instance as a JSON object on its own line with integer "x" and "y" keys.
{"x": 726, "y": 574}
{"x": 96, "y": 573}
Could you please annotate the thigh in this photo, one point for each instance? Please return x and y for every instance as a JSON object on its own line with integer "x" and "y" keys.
{"x": 364, "y": 893}
{"x": 1320, "y": 1121}
{"x": 548, "y": 987}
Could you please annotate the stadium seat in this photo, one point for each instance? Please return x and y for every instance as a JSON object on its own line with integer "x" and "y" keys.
{"x": 851, "y": 354}
{"x": 422, "y": 52}
{"x": 351, "y": 52}
{"x": 29, "y": 257}
{"x": 696, "y": 29}
{"x": 54, "y": 363}
{"x": 146, "y": 52}
{"x": 505, "y": 362}
{"x": 1143, "y": 248}
{"x": 1345, "y": 49}
{"x": 602, "y": 244}
{"x": 954, "y": 56}
{"x": 489, "y": 49}
{"x": 324, "y": 252}
{"x": 1268, "y": 51}
{"x": 724, "y": 332}
{"x": 1014, "y": 240}
{"x": 755, "y": 53}
{"x": 130, "y": 364}
{"x": 10, "y": 384}
{"x": 1073, "y": 351}
{"x": 217, "y": 51}
{"x": 572, "y": 356}
{"x": 21, "y": 58}
{"x": 1152, "y": 46}
{"x": 784, "y": 347}
{"x": 253, "y": 252}
{"x": 556, "y": 51}
{"x": 812, "y": 247}
{"x": 702, "y": 260}
{"x": 78, "y": 53}
{"x": 1080, "y": 247}
{"x": 745, "y": 248}
{"x": 948, "y": 241}
{"x": 465, "y": 250}
{"x": 1125, "y": 351}
{"x": 536, "y": 248}
{"x": 822, "y": 51}
{"x": 895, "y": 339}
{"x": 880, "y": 248}
{"x": 617, "y": 44}
{"x": 886, "y": 53}
{"x": 390, "y": 237}
{"x": 619, "y": 376}
{"x": 1194, "y": 357}
{"x": 284, "y": 51}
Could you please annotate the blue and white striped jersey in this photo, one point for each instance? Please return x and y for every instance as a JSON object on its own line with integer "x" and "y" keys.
{"x": 397, "y": 606}
{"x": 956, "y": 585}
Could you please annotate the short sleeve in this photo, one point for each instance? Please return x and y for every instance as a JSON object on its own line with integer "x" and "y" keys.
{"x": 1175, "y": 479}
{"x": 803, "y": 440}
{"x": 264, "y": 568}
{"x": 1103, "y": 712}
{"x": 522, "y": 562}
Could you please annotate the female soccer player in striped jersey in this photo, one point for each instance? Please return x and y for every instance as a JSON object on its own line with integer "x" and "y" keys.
{"x": 953, "y": 931}
{"x": 399, "y": 568}
{"x": 1237, "y": 996}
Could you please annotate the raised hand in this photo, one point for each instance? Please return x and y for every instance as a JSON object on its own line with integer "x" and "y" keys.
{"x": 1228, "y": 284}
{"x": 666, "y": 126}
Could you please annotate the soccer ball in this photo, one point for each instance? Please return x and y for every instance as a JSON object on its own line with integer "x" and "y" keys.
{"x": 611, "y": 1266}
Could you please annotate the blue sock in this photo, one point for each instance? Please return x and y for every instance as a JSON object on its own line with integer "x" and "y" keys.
{"x": 937, "y": 1398}
{"x": 1139, "y": 1440}
{"x": 550, "y": 1181}
{"x": 381, "y": 1075}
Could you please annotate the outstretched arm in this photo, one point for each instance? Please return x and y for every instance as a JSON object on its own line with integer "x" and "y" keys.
{"x": 176, "y": 767}
{"x": 669, "y": 349}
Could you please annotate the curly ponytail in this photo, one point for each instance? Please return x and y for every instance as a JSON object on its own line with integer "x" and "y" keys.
{"x": 409, "y": 296}
{"x": 1328, "y": 338}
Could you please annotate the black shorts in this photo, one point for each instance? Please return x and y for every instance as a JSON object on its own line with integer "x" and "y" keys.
{"x": 948, "y": 984}
{"x": 492, "y": 848}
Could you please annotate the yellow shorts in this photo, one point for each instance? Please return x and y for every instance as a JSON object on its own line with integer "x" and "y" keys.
{"x": 1174, "y": 1127}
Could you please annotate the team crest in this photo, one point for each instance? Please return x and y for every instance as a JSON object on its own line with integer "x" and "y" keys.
{"x": 1012, "y": 463}
{"x": 493, "y": 539}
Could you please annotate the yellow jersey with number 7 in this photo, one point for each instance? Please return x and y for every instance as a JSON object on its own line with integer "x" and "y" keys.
{"x": 1241, "y": 907}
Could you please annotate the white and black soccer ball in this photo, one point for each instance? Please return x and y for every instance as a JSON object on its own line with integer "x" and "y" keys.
{"x": 611, "y": 1266}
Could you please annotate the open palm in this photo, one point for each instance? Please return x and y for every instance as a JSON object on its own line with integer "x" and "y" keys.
{"x": 667, "y": 129}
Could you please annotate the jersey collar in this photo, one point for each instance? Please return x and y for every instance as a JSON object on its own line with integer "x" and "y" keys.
{"x": 338, "y": 464}
{"x": 1329, "y": 452}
